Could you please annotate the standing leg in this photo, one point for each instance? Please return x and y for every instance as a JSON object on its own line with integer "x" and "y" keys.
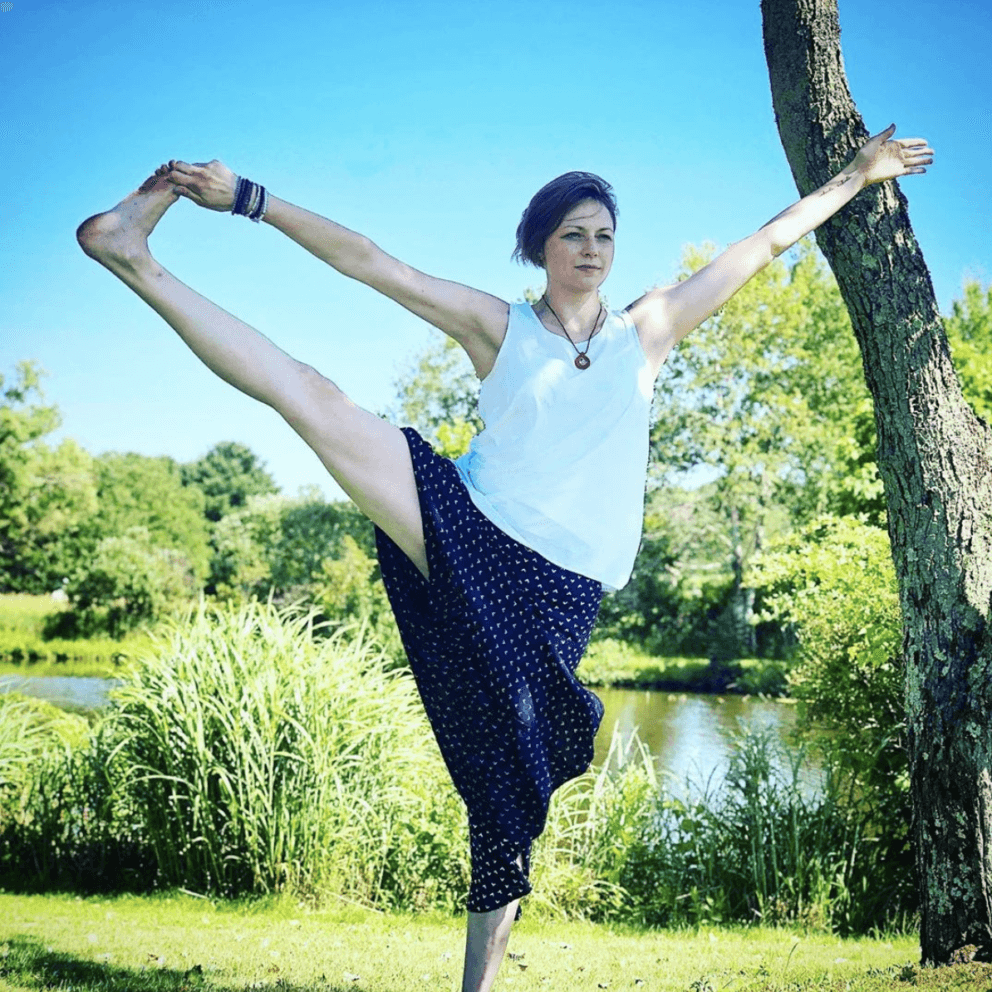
{"x": 368, "y": 457}
{"x": 485, "y": 944}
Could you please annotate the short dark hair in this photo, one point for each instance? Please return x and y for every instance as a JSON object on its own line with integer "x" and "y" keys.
{"x": 548, "y": 207}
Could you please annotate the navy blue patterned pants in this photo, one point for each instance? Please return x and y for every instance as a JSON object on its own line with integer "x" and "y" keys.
{"x": 494, "y": 638}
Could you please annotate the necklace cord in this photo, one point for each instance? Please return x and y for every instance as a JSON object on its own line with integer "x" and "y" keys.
{"x": 582, "y": 357}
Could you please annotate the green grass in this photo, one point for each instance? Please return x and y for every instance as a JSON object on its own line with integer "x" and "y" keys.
{"x": 177, "y": 942}
{"x": 609, "y": 662}
{"x": 24, "y": 650}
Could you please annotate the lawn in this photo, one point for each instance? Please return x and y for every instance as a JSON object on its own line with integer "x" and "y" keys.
{"x": 179, "y": 942}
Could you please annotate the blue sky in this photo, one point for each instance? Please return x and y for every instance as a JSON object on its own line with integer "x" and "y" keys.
{"x": 427, "y": 127}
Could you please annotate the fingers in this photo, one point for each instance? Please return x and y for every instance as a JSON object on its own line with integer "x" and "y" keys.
{"x": 914, "y": 154}
{"x": 184, "y": 169}
{"x": 207, "y": 184}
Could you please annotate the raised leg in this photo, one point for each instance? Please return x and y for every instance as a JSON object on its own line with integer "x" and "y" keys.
{"x": 368, "y": 457}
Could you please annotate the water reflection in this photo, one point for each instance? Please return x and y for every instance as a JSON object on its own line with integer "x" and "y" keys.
{"x": 691, "y": 736}
{"x": 76, "y": 693}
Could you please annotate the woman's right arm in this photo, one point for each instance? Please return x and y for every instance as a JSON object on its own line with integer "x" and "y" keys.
{"x": 476, "y": 320}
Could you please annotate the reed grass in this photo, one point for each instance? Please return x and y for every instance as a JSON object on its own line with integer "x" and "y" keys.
{"x": 264, "y": 758}
{"x": 766, "y": 849}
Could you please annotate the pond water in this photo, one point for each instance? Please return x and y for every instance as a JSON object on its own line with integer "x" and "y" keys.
{"x": 691, "y": 736}
{"x": 79, "y": 694}
{"x": 688, "y": 735}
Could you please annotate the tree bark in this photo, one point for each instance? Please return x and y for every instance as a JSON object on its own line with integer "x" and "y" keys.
{"x": 935, "y": 459}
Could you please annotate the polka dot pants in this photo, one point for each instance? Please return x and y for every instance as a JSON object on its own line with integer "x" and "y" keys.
{"x": 494, "y": 638}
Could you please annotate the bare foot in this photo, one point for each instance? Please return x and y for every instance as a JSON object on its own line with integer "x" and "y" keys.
{"x": 118, "y": 238}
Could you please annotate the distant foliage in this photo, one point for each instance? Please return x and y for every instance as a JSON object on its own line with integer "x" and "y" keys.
{"x": 128, "y": 583}
{"x": 227, "y": 475}
{"x": 138, "y": 491}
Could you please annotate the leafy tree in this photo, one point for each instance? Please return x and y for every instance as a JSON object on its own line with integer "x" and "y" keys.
{"x": 45, "y": 493}
{"x": 278, "y": 545}
{"x": 240, "y": 565}
{"x": 351, "y": 591}
{"x": 129, "y": 583}
{"x": 969, "y": 330}
{"x": 227, "y": 475}
{"x": 763, "y": 395}
{"x": 856, "y": 487}
{"x": 679, "y": 589}
{"x": 933, "y": 456}
{"x": 311, "y": 532}
{"x": 139, "y": 491}
{"x": 437, "y": 395}
{"x": 834, "y": 583}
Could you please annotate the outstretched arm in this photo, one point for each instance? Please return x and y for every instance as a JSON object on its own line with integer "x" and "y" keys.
{"x": 665, "y": 315}
{"x": 473, "y": 318}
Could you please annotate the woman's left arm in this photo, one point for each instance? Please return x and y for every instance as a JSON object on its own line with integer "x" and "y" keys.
{"x": 665, "y": 315}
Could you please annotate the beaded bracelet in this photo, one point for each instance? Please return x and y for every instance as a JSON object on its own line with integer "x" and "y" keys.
{"x": 251, "y": 200}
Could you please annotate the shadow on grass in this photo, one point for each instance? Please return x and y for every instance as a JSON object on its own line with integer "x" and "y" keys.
{"x": 26, "y": 962}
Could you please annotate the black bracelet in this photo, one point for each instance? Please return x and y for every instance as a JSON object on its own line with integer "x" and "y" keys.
{"x": 250, "y": 200}
{"x": 244, "y": 195}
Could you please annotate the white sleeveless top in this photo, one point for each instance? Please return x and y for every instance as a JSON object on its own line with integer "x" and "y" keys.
{"x": 561, "y": 463}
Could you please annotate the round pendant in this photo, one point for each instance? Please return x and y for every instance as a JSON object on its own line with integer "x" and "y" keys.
{"x": 582, "y": 361}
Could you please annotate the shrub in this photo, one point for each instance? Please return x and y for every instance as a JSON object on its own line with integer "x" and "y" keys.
{"x": 350, "y": 591}
{"x": 835, "y": 583}
{"x": 126, "y": 585}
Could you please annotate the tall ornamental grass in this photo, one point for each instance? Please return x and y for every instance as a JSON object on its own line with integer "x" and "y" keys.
{"x": 262, "y": 758}
{"x": 62, "y": 823}
{"x": 593, "y": 824}
{"x": 765, "y": 848}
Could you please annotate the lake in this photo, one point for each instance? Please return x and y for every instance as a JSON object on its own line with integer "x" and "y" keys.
{"x": 688, "y": 735}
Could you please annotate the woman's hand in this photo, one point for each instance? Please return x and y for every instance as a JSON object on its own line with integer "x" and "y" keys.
{"x": 207, "y": 184}
{"x": 883, "y": 157}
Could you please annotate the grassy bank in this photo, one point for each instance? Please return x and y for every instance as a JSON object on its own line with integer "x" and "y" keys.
{"x": 178, "y": 942}
{"x": 621, "y": 665}
{"x": 24, "y": 651}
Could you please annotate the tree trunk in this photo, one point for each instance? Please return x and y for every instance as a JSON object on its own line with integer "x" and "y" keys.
{"x": 935, "y": 459}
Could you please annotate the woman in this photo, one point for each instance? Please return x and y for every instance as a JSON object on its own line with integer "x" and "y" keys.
{"x": 494, "y": 564}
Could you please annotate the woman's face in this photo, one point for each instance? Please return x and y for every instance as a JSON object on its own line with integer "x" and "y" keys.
{"x": 579, "y": 253}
